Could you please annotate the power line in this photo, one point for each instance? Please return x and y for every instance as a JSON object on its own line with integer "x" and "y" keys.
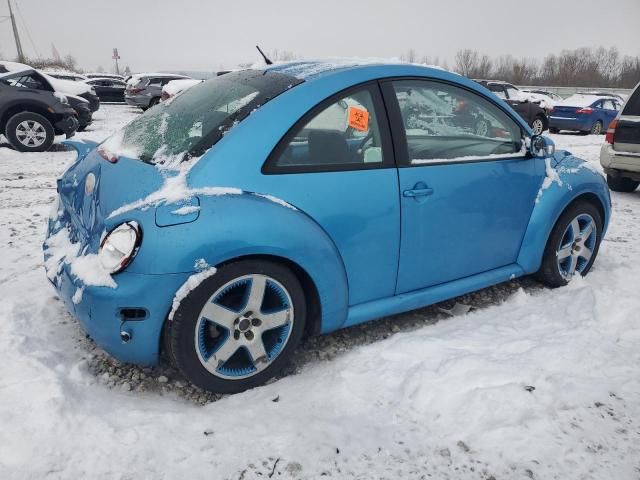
{"x": 27, "y": 30}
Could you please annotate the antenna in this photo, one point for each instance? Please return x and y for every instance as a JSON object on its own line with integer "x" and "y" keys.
{"x": 266, "y": 59}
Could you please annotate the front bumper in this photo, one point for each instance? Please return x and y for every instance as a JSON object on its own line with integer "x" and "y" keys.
{"x": 562, "y": 123}
{"x": 613, "y": 160}
{"x": 67, "y": 125}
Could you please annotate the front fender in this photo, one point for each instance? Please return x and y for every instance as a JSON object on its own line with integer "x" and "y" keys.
{"x": 230, "y": 226}
{"x": 573, "y": 177}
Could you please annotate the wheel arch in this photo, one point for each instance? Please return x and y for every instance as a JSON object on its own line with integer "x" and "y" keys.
{"x": 12, "y": 110}
{"x": 314, "y": 307}
{"x": 578, "y": 183}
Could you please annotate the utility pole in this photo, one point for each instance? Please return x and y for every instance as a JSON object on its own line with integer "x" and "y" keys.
{"x": 21, "y": 58}
{"x": 116, "y": 57}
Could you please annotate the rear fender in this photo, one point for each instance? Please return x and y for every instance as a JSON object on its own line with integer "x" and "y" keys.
{"x": 573, "y": 178}
{"x": 82, "y": 147}
{"x": 232, "y": 226}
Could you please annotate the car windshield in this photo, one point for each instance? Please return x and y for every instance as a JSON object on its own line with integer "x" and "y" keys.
{"x": 189, "y": 124}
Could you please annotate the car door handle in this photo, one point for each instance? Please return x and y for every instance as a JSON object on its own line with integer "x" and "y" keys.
{"x": 417, "y": 192}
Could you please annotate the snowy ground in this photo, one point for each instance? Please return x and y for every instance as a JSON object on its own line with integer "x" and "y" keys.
{"x": 533, "y": 384}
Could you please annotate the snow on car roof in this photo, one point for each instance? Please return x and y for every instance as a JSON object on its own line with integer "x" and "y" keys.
{"x": 579, "y": 100}
{"x": 303, "y": 69}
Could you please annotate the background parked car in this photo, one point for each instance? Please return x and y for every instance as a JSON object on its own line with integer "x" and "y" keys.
{"x": 174, "y": 87}
{"x": 83, "y": 111}
{"x": 74, "y": 77}
{"x": 530, "y": 111}
{"x": 31, "y": 112}
{"x": 584, "y": 113}
{"x": 144, "y": 90}
{"x": 104, "y": 75}
{"x": 108, "y": 89}
{"x": 64, "y": 87}
{"x": 620, "y": 155}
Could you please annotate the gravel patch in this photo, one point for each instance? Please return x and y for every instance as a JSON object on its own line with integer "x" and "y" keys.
{"x": 164, "y": 379}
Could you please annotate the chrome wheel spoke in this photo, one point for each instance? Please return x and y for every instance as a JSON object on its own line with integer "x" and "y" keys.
{"x": 587, "y": 231}
{"x": 575, "y": 228}
{"x": 585, "y": 253}
{"x": 274, "y": 320}
{"x": 572, "y": 265}
{"x": 258, "y": 353}
{"x": 219, "y": 314}
{"x": 256, "y": 294}
{"x": 224, "y": 353}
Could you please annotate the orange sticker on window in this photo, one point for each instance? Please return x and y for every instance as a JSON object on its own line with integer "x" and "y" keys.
{"x": 359, "y": 119}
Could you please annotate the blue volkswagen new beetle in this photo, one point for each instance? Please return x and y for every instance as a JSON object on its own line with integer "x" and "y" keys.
{"x": 267, "y": 204}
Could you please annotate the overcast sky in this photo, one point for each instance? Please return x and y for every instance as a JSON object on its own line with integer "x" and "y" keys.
{"x": 207, "y": 34}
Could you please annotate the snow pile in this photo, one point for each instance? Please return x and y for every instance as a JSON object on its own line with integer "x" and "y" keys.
{"x": 551, "y": 177}
{"x": 60, "y": 251}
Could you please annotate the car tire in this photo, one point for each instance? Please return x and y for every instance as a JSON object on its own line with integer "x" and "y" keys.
{"x": 571, "y": 236}
{"x": 538, "y": 125}
{"x": 622, "y": 184}
{"x": 195, "y": 340}
{"x": 596, "y": 128}
{"x": 29, "y": 132}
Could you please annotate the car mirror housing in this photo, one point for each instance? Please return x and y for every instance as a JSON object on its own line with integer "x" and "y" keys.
{"x": 541, "y": 146}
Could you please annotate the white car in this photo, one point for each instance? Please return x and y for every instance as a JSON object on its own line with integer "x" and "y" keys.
{"x": 620, "y": 155}
{"x": 174, "y": 87}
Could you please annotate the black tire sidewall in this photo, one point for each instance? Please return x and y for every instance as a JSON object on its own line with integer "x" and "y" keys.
{"x": 14, "y": 121}
{"x": 181, "y": 342}
{"x": 549, "y": 272}
{"x": 622, "y": 184}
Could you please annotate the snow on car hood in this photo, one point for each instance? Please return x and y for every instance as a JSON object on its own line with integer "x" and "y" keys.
{"x": 67, "y": 86}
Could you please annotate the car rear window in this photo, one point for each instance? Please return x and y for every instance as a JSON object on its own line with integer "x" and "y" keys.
{"x": 189, "y": 124}
{"x": 633, "y": 105}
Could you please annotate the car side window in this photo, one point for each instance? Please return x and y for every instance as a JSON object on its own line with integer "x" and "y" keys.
{"x": 512, "y": 93}
{"x": 344, "y": 134}
{"x": 498, "y": 90}
{"x": 608, "y": 105}
{"x": 26, "y": 81}
{"x": 443, "y": 122}
{"x": 155, "y": 82}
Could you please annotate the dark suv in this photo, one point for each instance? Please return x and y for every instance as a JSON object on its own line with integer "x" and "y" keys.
{"x": 531, "y": 112}
{"x": 31, "y": 113}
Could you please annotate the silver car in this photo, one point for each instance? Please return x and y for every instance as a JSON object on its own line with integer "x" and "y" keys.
{"x": 620, "y": 155}
{"x": 144, "y": 90}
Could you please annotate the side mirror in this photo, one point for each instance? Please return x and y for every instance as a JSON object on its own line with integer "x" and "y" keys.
{"x": 541, "y": 146}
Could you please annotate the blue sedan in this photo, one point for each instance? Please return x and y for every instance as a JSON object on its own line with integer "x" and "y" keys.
{"x": 269, "y": 204}
{"x": 584, "y": 113}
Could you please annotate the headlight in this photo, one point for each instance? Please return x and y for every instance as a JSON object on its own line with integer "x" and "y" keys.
{"x": 61, "y": 97}
{"x": 119, "y": 246}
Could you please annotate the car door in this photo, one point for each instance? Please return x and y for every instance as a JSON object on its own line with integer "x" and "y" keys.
{"x": 337, "y": 166}
{"x": 465, "y": 198}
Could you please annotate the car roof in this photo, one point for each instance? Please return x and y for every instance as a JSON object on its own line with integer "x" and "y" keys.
{"x": 309, "y": 69}
{"x": 140, "y": 75}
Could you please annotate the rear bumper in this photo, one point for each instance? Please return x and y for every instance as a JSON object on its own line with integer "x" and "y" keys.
{"x": 137, "y": 100}
{"x": 563, "y": 123}
{"x": 615, "y": 162}
{"x": 100, "y": 312}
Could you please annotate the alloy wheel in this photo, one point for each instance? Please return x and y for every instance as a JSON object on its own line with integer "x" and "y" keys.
{"x": 31, "y": 134}
{"x": 537, "y": 126}
{"x": 576, "y": 246}
{"x": 244, "y": 326}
